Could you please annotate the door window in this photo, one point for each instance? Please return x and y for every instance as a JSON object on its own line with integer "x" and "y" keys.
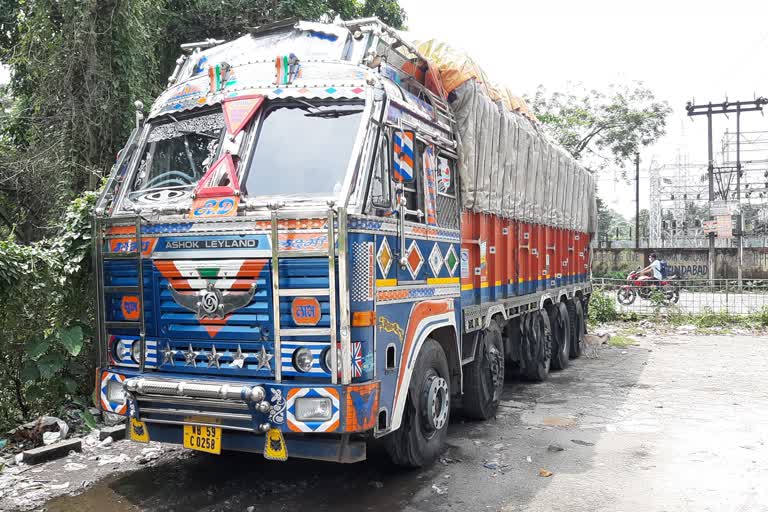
{"x": 414, "y": 191}
{"x": 380, "y": 202}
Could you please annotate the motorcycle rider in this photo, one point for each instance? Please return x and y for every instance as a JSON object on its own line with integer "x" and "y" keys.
{"x": 653, "y": 270}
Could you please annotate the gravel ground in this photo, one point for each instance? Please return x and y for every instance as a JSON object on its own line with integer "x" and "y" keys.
{"x": 671, "y": 423}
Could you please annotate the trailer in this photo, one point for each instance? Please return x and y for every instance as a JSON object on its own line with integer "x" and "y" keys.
{"x": 319, "y": 236}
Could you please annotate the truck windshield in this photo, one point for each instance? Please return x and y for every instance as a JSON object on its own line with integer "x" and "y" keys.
{"x": 303, "y": 149}
{"x": 175, "y": 156}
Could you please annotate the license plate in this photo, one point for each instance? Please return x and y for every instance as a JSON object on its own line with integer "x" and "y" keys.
{"x": 202, "y": 439}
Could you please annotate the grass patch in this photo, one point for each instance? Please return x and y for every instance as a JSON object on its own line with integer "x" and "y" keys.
{"x": 621, "y": 341}
{"x": 706, "y": 322}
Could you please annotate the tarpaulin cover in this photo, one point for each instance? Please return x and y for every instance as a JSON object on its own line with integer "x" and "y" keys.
{"x": 455, "y": 66}
{"x": 507, "y": 164}
{"x": 510, "y": 167}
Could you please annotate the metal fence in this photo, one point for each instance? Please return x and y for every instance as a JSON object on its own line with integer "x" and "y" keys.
{"x": 693, "y": 296}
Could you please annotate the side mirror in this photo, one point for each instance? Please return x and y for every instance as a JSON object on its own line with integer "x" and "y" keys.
{"x": 403, "y": 157}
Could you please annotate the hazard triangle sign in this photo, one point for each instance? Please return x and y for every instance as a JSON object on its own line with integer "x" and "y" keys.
{"x": 220, "y": 180}
{"x": 217, "y": 194}
{"x": 239, "y": 110}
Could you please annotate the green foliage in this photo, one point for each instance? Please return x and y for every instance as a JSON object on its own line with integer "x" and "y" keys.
{"x": 760, "y": 317}
{"x": 602, "y": 128}
{"x": 602, "y": 308}
{"x": 77, "y": 66}
{"x": 610, "y": 274}
{"x": 657, "y": 299}
{"x": 45, "y": 301}
{"x": 619, "y": 340}
{"x": 88, "y": 420}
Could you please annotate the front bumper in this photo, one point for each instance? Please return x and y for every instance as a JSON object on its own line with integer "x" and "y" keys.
{"x": 248, "y": 406}
{"x": 329, "y": 447}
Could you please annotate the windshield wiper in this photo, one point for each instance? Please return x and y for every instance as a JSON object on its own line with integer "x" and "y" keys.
{"x": 332, "y": 114}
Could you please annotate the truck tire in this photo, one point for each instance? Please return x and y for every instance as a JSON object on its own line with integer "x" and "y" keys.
{"x": 424, "y": 427}
{"x": 538, "y": 355}
{"x": 561, "y": 337}
{"x": 484, "y": 377}
{"x": 573, "y": 319}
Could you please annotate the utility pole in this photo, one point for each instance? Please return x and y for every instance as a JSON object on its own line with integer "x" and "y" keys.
{"x": 710, "y": 109}
{"x": 739, "y": 228}
{"x": 637, "y": 200}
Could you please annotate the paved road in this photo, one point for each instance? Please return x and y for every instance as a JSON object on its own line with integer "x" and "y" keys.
{"x": 679, "y": 423}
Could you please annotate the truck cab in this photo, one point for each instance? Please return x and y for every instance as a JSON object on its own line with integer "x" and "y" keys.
{"x": 242, "y": 239}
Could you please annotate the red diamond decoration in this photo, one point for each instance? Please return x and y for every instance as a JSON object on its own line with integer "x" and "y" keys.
{"x": 415, "y": 259}
{"x": 357, "y": 90}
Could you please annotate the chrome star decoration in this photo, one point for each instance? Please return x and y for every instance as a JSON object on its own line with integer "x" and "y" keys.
{"x": 190, "y": 357}
{"x": 213, "y": 358}
{"x": 239, "y": 358}
{"x": 168, "y": 355}
{"x": 263, "y": 358}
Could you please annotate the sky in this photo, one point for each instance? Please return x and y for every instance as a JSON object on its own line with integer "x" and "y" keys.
{"x": 683, "y": 50}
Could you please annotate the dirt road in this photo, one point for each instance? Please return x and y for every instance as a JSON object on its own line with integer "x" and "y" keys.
{"x": 675, "y": 423}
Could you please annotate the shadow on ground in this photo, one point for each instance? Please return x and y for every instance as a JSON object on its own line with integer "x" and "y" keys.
{"x": 487, "y": 465}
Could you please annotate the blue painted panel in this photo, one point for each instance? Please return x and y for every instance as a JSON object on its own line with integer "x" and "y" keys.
{"x": 123, "y": 273}
{"x": 396, "y": 314}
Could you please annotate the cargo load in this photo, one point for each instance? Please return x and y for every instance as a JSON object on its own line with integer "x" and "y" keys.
{"x": 508, "y": 165}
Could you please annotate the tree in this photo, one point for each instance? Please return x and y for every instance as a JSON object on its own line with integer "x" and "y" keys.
{"x": 644, "y": 220}
{"x": 77, "y": 66}
{"x": 602, "y": 128}
{"x": 609, "y": 221}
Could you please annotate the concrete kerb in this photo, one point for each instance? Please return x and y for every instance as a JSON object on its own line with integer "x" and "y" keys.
{"x": 62, "y": 448}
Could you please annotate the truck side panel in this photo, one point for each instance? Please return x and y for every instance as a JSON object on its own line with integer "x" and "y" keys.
{"x": 539, "y": 258}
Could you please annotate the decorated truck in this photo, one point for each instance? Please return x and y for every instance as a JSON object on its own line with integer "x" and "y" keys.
{"x": 323, "y": 235}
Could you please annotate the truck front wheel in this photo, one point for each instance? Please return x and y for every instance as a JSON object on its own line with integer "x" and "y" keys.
{"x": 424, "y": 426}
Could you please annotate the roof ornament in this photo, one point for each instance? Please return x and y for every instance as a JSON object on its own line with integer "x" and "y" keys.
{"x": 219, "y": 75}
{"x": 287, "y": 69}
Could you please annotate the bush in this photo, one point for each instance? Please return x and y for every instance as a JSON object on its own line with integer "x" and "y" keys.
{"x": 761, "y": 317}
{"x": 612, "y": 274}
{"x": 602, "y": 308}
{"x": 46, "y": 300}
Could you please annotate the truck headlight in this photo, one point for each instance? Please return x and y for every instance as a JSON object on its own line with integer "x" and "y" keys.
{"x": 115, "y": 391}
{"x": 327, "y": 360}
{"x": 313, "y": 409}
{"x": 136, "y": 351}
{"x": 303, "y": 359}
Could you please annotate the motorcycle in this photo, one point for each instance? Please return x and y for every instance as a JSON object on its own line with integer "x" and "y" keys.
{"x": 644, "y": 286}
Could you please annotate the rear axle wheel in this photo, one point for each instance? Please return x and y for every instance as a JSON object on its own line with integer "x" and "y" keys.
{"x": 484, "y": 377}
{"x": 561, "y": 336}
{"x": 537, "y": 346}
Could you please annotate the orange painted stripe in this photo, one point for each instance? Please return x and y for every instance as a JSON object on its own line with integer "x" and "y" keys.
{"x": 419, "y": 313}
{"x": 251, "y": 268}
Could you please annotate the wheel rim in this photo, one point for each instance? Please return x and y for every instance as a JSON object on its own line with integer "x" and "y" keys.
{"x": 437, "y": 399}
{"x": 625, "y": 296}
{"x": 491, "y": 372}
{"x": 544, "y": 354}
{"x": 564, "y": 331}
